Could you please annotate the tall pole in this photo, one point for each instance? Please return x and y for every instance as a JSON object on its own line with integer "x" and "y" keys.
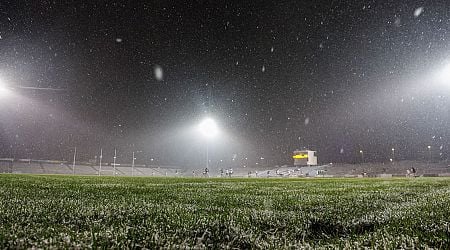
{"x": 132, "y": 166}
{"x": 429, "y": 150}
{"x": 74, "y": 159}
{"x": 100, "y": 166}
{"x": 114, "y": 161}
{"x": 207, "y": 155}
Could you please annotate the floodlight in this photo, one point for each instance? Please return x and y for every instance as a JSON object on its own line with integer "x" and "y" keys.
{"x": 4, "y": 90}
{"x": 444, "y": 75}
{"x": 208, "y": 128}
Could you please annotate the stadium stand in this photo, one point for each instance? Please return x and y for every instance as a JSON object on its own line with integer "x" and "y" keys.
{"x": 396, "y": 169}
{"x": 400, "y": 168}
{"x": 6, "y": 165}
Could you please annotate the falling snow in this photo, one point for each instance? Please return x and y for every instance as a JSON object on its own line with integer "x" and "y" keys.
{"x": 158, "y": 72}
{"x": 418, "y": 12}
{"x": 307, "y": 121}
{"x": 136, "y": 77}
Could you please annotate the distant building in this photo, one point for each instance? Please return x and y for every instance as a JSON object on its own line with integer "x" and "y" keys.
{"x": 305, "y": 158}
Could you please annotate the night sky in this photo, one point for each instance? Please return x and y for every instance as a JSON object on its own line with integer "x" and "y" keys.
{"x": 333, "y": 76}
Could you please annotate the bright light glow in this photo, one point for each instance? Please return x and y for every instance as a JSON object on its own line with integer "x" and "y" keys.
{"x": 208, "y": 128}
{"x": 4, "y": 91}
{"x": 444, "y": 75}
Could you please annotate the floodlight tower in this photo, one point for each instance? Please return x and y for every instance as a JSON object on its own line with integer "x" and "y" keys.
{"x": 74, "y": 159}
{"x": 100, "y": 165}
{"x": 208, "y": 128}
{"x": 114, "y": 161}
{"x": 132, "y": 165}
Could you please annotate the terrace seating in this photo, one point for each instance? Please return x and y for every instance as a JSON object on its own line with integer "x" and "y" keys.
{"x": 370, "y": 169}
{"x": 29, "y": 168}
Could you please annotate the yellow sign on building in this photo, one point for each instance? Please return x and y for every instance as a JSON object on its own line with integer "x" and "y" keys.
{"x": 305, "y": 158}
{"x": 300, "y": 156}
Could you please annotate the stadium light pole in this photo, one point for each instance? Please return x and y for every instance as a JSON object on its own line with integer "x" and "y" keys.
{"x": 207, "y": 154}
{"x": 114, "y": 161}
{"x": 393, "y": 154}
{"x": 74, "y": 159}
{"x": 429, "y": 150}
{"x": 362, "y": 155}
{"x": 132, "y": 165}
{"x": 100, "y": 165}
{"x": 208, "y": 128}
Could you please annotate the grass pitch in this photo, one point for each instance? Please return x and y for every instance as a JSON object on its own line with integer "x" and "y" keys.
{"x": 125, "y": 212}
